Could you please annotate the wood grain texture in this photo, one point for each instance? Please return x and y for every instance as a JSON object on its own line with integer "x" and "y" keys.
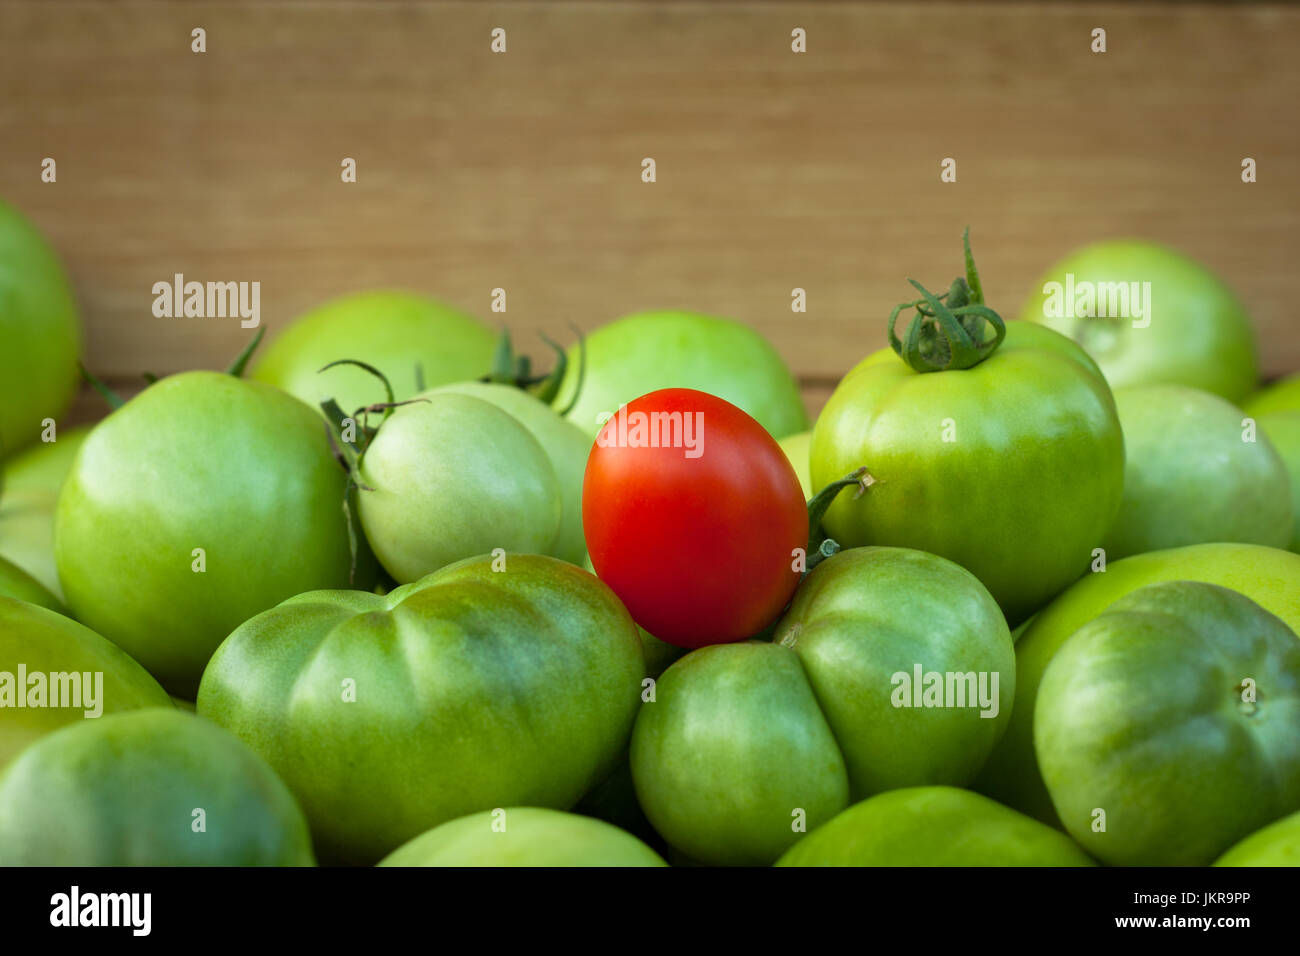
{"x": 522, "y": 170}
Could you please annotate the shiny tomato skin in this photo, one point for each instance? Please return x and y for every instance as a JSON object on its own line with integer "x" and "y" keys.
{"x": 700, "y": 549}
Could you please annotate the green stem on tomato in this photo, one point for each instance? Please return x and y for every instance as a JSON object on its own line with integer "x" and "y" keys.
{"x": 517, "y": 370}
{"x": 236, "y": 368}
{"x": 821, "y": 501}
{"x": 115, "y": 401}
{"x": 829, "y": 547}
{"x": 821, "y": 547}
{"x": 948, "y": 335}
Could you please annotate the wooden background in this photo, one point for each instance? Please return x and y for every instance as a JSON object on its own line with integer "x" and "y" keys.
{"x": 522, "y": 170}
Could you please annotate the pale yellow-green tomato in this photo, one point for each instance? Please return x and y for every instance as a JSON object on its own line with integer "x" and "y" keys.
{"x": 391, "y": 331}
{"x": 524, "y": 836}
{"x": 796, "y": 449}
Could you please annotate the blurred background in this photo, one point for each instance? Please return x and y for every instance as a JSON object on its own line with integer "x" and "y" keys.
{"x": 522, "y": 170}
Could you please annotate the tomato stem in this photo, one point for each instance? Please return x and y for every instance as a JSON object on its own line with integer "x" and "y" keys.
{"x": 236, "y": 368}
{"x": 115, "y": 401}
{"x": 582, "y": 371}
{"x": 388, "y": 386}
{"x": 517, "y": 370}
{"x": 549, "y": 386}
{"x": 819, "y": 502}
{"x": 948, "y": 331}
{"x": 354, "y": 546}
{"x": 826, "y": 549}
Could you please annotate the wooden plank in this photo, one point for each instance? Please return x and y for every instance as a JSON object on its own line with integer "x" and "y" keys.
{"x": 522, "y": 170}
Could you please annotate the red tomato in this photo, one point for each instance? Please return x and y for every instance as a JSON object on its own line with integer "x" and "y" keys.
{"x": 692, "y": 515}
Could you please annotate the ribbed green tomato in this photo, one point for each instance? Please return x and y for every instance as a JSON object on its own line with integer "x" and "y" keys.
{"x": 1278, "y": 844}
{"x": 734, "y": 753}
{"x": 29, "y": 492}
{"x": 494, "y": 682}
{"x": 649, "y": 351}
{"x": 154, "y": 787}
{"x": 1168, "y": 727}
{"x": 566, "y": 445}
{"x": 40, "y": 641}
{"x": 202, "y": 501}
{"x": 524, "y": 836}
{"x": 1149, "y": 315}
{"x": 453, "y": 476}
{"x": 933, "y": 826}
{"x": 40, "y": 331}
{"x": 392, "y": 331}
{"x": 1012, "y": 468}
{"x": 1281, "y": 396}
{"x": 743, "y": 741}
{"x": 1268, "y": 576}
{"x": 1192, "y": 476}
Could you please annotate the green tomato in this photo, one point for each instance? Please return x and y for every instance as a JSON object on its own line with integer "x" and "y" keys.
{"x": 1278, "y": 844}
{"x": 40, "y": 641}
{"x": 392, "y": 331}
{"x": 524, "y": 836}
{"x": 155, "y": 787}
{"x": 17, "y": 583}
{"x": 27, "y": 535}
{"x": 45, "y": 465}
{"x": 566, "y": 446}
{"x": 933, "y": 826}
{"x": 40, "y": 331}
{"x": 468, "y": 690}
{"x": 1012, "y": 468}
{"x": 199, "y": 503}
{"x": 797, "y": 449}
{"x": 734, "y": 752}
{"x": 1283, "y": 431}
{"x": 670, "y": 349}
{"x": 1166, "y": 727}
{"x": 868, "y": 615}
{"x": 1190, "y": 475}
{"x": 453, "y": 476}
{"x": 1191, "y": 330}
{"x": 1281, "y": 396}
{"x": 614, "y": 798}
{"x": 1268, "y": 576}
{"x": 742, "y": 737}
{"x": 29, "y": 492}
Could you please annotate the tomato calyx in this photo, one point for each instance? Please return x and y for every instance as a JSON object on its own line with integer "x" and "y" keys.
{"x": 510, "y": 368}
{"x": 948, "y": 330}
{"x": 350, "y": 436}
{"x": 820, "y": 547}
{"x": 236, "y": 368}
{"x": 116, "y": 401}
